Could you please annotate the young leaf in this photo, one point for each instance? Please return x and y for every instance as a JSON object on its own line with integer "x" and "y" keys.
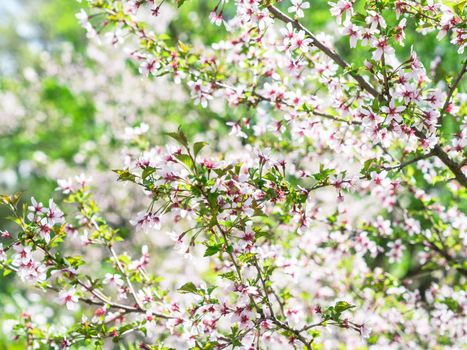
{"x": 124, "y": 175}
{"x": 342, "y": 306}
{"x": 188, "y": 288}
{"x": 185, "y": 159}
{"x": 213, "y": 249}
{"x": 198, "y": 146}
{"x": 179, "y": 136}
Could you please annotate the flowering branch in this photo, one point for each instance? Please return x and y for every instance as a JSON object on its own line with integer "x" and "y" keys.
{"x": 276, "y": 13}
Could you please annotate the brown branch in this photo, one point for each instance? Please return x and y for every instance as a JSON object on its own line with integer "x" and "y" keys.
{"x": 276, "y": 13}
{"x": 452, "y": 165}
{"x": 452, "y": 88}
{"x": 437, "y": 150}
{"x": 281, "y": 102}
{"x": 411, "y": 161}
{"x": 449, "y": 258}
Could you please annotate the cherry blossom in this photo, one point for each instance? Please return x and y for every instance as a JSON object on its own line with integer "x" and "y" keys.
{"x": 340, "y": 9}
{"x": 69, "y": 299}
{"x": 113, "y": 279}
{"x": 200, "y": 92}
{"x": 393, "y": 112}
{"x": 298, "y": 6}
{"x": 353, "y": 32}
{"x": 147, "y": 221}
{"x": 382, "y": 48}
{"x": 396, "y": 251}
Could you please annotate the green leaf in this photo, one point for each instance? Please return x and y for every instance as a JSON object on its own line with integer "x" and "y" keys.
{"x": 198, "y": 146}
{"x": 369, "y": 166}
{"x": 360, "y": 7}
{"x": 246, "y": 257}
{"x": 185, "y": 159}
{"x": 180, "y": 3}
{"x": 75, "y": 261}
{"x": 229, "y": 275}
{"x": 12, "y": 200}
{"x": 342, "y": 306}
{"x": 188, "y": 288}
{"x": 212, "y": 249}
{"x": 179, "y": 136}
{"x": 323, "y": 173}
{"x": 148, "y": 171}
{"x": 459, "y": 7}
{"x": 124, "y": 175}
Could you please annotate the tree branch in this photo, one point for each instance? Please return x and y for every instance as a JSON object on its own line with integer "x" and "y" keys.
{"x": 452, "y": 165}
{"x": 276, "y": 13}
{"x": 437, "y": 150}
{"x": 411, "y": 161}
{"x": 451, "y": 91}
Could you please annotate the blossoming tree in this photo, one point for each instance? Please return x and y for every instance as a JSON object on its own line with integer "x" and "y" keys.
{"x": 338, "y": 221}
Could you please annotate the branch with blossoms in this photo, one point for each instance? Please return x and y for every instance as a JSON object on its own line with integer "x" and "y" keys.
{"x": 403, "y": 109}
{"x": 227, "y": 202}
{"x": 37, "y": 258}
{"x": 381, "y": 48}
{"x": 276, "y": 13}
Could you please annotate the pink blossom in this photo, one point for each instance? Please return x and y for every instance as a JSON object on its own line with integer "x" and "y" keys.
{"x": 353, "y": 32}
{"x": 375, "y": 20}
{"x": 200, "y": 92}
{"x": 298, "y": 6}
{"x": 149, "y": 66}
{"x": 382, "y": 47}
{"x": 69, "y": 298}
{"x": 288, "y": 34}
{"x": 35, "y": 209}
{"x": 146, "y": 221}
{"x": 114, "y": 279}
{"x": 65, "y": 185}
{"x": 340, "y": 9}
{"x": 53, "y": 214}
{"x": 396, "y": 251}
{"x": 400, "y": 34}
{"x": 216, "y": 18}
{"x": 300, "y": 42}
{"x": 393, "y": 112}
